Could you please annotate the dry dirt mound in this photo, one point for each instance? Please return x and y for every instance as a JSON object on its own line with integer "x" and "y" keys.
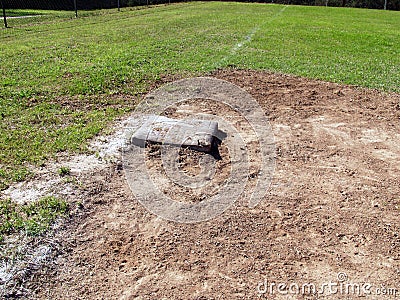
{"x": 331, "y": 214}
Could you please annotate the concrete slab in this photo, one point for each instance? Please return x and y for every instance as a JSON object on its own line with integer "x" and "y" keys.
{"x": 197, "y": 134}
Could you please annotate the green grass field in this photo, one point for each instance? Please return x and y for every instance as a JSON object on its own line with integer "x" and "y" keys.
{"x": 63, "y": 79}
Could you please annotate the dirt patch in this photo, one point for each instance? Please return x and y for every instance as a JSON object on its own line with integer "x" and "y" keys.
{"x": 333, "y": 208}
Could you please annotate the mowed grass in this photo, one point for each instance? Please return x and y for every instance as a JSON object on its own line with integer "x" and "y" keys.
{"x": 63, "y": 80}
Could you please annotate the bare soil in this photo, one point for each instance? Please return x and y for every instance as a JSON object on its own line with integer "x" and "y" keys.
{"x": 333, "y": 207}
